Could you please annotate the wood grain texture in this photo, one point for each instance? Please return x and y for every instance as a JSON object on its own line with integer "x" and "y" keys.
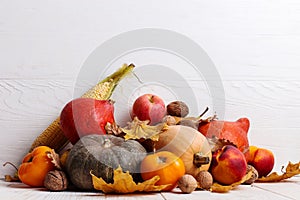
{"x": 246, "y": 40}
{"x": 243, "y": 192}
{"x": 27, "y": 108}
{"x": 286, "y": 189}
{"x": 30, "y": 105}
{"x": 253, "y": 44}
{"x": 283, "y": 191}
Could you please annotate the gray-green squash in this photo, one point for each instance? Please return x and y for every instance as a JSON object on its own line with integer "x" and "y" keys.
{"x": 101, "y": 154}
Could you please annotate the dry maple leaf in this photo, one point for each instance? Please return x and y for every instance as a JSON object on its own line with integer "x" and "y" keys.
{"x": 113, "y": 129}
{"x": 216, "y": 143}
{"x": 54, "y": 158}
{"x": 141, "y": 130}
{"x": 216, "y": 187}
{"x": 123, "y": 183}
{"x": 290, "y": 171}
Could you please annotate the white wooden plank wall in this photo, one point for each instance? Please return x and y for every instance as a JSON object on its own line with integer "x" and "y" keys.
{"x": 255, "y": 46}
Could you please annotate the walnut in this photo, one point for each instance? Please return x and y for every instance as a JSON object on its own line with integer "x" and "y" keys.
{"x": 56, "y": 180}
{"x": 187, "y": 183}
{"x": 205, "y": 180}
{"x": 178, "y": 109}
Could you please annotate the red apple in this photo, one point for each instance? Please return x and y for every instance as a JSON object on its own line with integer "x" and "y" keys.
{"x": 149, "y": 107}
{"x": 84, "y": 116}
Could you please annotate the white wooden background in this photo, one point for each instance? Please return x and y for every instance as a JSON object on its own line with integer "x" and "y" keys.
{"x": 255, "y": 46}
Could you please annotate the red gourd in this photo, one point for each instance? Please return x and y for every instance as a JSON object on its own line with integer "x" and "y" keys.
{"x": 233, "y": 131}
{"x": 85, "y": 116}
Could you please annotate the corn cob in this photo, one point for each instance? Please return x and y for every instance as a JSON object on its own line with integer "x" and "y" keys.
{"x": 53, "y": 136}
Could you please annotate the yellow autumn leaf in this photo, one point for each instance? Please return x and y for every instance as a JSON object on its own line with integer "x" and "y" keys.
{"x": 123, "y": 183}
{"x": 141, "y": 130}
{"x": 290, "y": 171}
{"x": 216, "y": 187}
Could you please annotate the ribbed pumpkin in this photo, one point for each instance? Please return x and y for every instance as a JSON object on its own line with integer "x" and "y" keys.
{"x": 188, "y": 144}
{"x": 101, "y": 154}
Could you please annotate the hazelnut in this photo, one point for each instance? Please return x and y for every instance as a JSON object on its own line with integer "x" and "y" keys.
{"x": 189, "y": 122}
{"x": 178, "y": 109}
{"x": 169, "y": 120}
{"x": 187, "y": 183}
{"x": 254, "y": 175}
{"x": 56, "y": 181}
{"x": 205, "y": 179}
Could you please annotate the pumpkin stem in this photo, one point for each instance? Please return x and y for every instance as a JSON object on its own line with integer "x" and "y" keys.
{"x": 200, "y": 160}
{"x": 162, "y": 159}
{"x": 106, "y": 143}
{"x": 153, "y": 147}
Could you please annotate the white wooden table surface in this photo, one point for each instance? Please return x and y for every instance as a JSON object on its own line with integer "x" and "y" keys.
{"x": 277, "y": 191}
{"x": 255, "y": 46}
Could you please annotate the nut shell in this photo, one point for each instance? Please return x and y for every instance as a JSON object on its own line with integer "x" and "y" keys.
{"x": 205, "y": 180}
{"x": 56, "y": 181}
{"x": 188, "y": 122}
{"x": 254, "y": 175}
{"x": 178, "y": 109}
{"x": 169, "y": 120}
{"x": 187, "y": 183}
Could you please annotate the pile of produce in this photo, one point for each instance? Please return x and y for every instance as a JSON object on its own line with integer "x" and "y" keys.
{"x": 161, "y": 148}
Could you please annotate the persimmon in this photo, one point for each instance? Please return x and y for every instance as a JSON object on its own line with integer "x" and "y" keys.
{"x": 169, "y": 167}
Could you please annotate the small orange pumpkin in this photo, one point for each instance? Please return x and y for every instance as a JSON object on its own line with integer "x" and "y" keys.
{"x": 166, "y": 165}
{"x": 188, "y": 144}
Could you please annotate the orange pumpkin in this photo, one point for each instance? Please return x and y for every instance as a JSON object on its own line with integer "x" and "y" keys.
{"x": 164, "y": 164}
{"x": 188, "y": 144}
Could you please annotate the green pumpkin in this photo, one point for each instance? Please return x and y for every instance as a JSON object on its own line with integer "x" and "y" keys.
{"x": 101, "y": 154}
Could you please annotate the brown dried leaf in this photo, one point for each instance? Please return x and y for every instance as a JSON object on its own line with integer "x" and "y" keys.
{"x": 113, "y": 129}
{"x": 141, "y": 130}
{"x": 207, "y": 120}
{"x": 123, "y": 183}
{"x": 216, "y": 143}
{"x": 54, "y": 158}
{"x": 226, "y": 188}
{"x": 9, "y": 178}
{"x": 290, "y": 171}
